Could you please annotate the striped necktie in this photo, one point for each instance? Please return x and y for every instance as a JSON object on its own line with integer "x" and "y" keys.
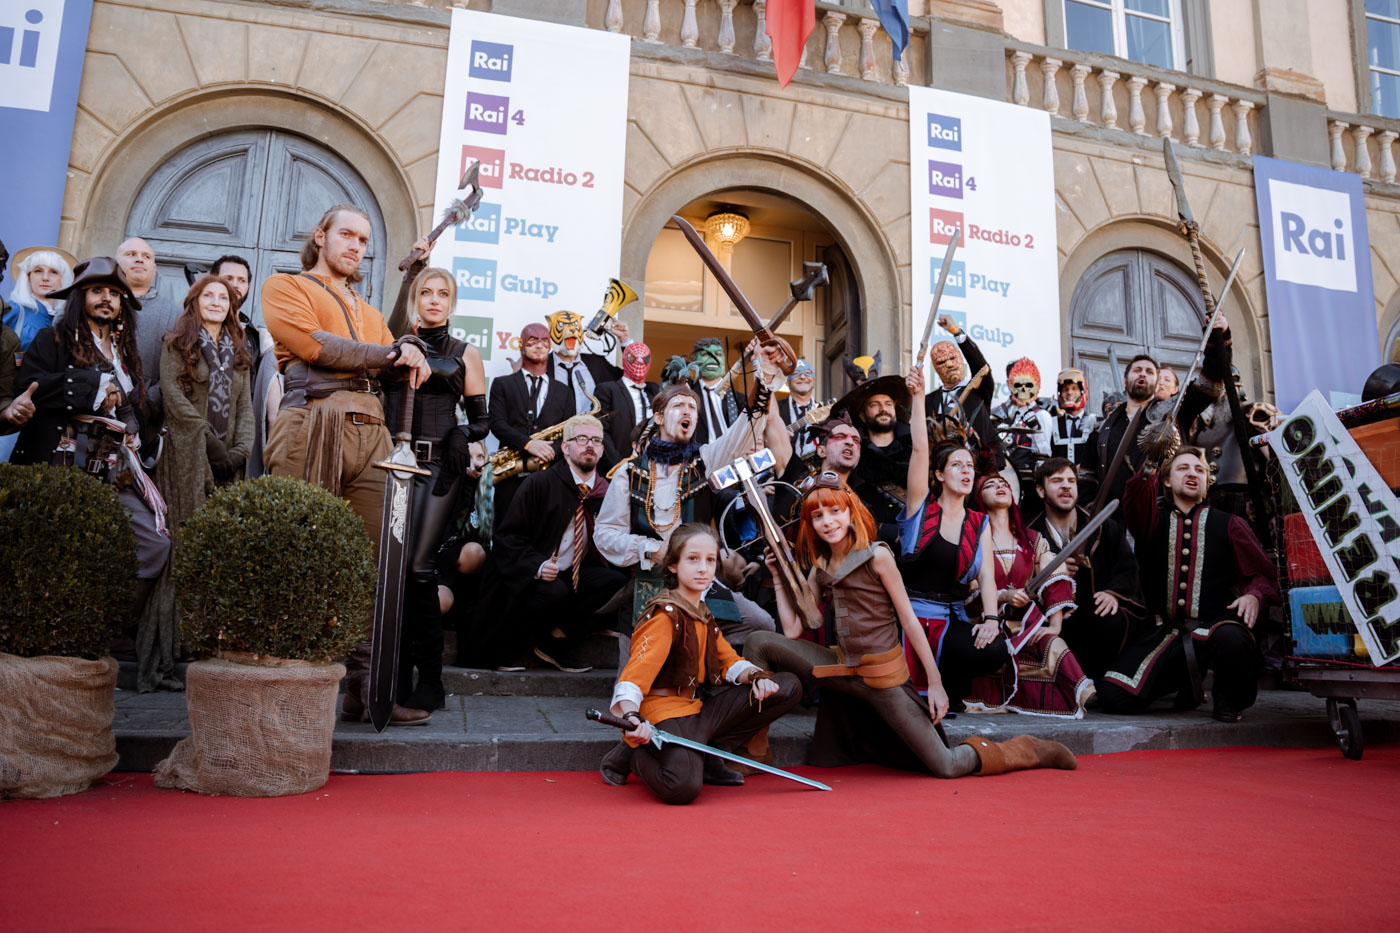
{"x": 580, "y": 534}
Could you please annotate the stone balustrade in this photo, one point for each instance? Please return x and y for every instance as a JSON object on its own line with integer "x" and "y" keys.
{"x": 1364, "y": 144}
{"x": 848, "y": 39}
{"x": 1116, "y": 94}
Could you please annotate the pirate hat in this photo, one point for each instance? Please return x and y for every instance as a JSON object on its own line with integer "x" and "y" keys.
{"x": 854, "y": 400}
{"x": 99, "y": 270}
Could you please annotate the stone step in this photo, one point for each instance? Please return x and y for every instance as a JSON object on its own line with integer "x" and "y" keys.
{"x": 486, "y": 732}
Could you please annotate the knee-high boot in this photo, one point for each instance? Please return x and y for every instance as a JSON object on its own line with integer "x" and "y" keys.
{"x": 1022, "y": 753}
{"x": 423, "y": 648}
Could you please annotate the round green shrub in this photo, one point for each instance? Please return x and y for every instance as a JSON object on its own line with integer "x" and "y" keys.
{"x": 68, "y": 559}
{"x": 275, "y": 566}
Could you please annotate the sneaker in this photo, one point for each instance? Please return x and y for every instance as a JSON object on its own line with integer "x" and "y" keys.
{"x": 562, "y": 657}
{"x": 513, "y": 666}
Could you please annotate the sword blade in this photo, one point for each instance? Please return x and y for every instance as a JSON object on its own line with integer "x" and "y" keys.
{"x": 721, "y": 275}
{"x": 394, "y": 546}
{"x": 1183, "y": 209}
{"x": 664, "y": 738}
{"x": 938, "y": 294}
{"x": 1073, "y": 547}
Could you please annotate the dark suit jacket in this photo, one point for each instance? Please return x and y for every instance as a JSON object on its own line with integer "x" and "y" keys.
{"x": 534, "y": 524}
{"x": 615, "y": 399}
{"x": 979, "y": 400}
{"x": 598, "y": 367}
{"x": 509, "y": 409}
{"x": 732, "y": 407}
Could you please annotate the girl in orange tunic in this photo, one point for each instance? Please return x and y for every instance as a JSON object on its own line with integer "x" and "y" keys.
{"x": 677, "y": 649}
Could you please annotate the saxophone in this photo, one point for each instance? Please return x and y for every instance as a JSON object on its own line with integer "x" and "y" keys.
{"x": 508, "y": 461}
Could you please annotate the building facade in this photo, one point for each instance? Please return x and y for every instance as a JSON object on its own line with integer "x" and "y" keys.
{"x": 215, "y": 126}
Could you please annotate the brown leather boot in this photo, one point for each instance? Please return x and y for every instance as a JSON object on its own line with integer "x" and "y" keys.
{"x": 756, "y": 748}
{"x": 1020, "y": 754}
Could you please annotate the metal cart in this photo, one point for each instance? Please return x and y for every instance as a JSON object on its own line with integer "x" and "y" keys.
{"x": 1332, "y": 664}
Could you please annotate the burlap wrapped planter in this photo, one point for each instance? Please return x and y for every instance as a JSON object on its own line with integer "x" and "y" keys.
{"x": 261, "y": 727}
{"x": 55, "y": 724}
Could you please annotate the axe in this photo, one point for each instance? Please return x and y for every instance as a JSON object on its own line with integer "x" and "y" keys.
{"x": 456, "y": 212}
{"x": 813, "y": 275}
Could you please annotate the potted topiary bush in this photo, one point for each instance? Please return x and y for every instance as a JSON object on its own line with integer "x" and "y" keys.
{"x": 68, "y": 562}
{"x": 274, "y": 579}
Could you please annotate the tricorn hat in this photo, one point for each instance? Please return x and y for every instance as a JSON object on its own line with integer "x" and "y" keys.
{"x": 99, "y": 270}
{"x": 854, "y": 400}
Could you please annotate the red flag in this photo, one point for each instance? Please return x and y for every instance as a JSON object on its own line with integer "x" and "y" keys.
{"x": 790, "y": 22}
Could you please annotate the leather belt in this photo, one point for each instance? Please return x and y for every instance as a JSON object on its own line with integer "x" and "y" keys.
{"x": 940, "y": 597}
{"x": 356, "y": 417}
{"x": 684, "y": 692}
{"x": 886, "y": 669}
{"x": 427, "y": 451}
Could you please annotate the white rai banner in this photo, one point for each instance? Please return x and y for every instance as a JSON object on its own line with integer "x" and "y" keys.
{"x": 987, "y": 167}
{"x": 1353, "y": 517}
{"x": 543, "y": 107}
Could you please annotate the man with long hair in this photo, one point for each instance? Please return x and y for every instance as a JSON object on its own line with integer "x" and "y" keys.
{"x": 88, "y": 366}
{"x": 333, "y": 347}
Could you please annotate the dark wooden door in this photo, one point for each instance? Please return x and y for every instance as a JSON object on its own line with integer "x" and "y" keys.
{"x": 1133, "y": 301}
{"x": 838, "y": 304}
{"x": 254, "y": 193}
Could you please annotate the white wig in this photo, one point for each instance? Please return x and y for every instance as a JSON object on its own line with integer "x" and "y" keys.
{"x": 22, "y": 293}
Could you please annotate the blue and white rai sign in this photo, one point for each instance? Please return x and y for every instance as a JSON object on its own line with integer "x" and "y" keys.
{"x": 41, "y": 63}
{"x": 1317, "y": 276}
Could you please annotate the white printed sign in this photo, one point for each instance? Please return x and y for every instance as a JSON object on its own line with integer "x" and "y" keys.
{"x": 29, "y": 34}
{"x": 1312, "y": 236}
{"x": 986, "y": 167}
{"x": 543, "y": 107}
{"x": 1353, "y": 517}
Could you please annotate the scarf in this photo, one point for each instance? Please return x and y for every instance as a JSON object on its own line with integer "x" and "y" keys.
{"x": 671, "y": 453}
{"x": 219, "y": 356}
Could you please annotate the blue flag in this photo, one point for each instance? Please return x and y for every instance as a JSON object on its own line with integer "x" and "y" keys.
{"x": 894, "y": 16}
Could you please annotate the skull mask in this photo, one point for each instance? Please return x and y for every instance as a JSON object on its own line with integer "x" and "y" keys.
{"x": 948, "y": 363}
{"x": 565, "y": 331}
{"x": 1024, "y": 382}
{"x": 636, "y": 361}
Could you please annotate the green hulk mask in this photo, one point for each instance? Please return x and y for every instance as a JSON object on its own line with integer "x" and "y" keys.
{"x": 708, "y": 355}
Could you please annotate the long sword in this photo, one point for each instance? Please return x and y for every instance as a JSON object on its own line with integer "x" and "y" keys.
{"x": 394, "y": 546}
{"x": 660, "y": 738}
{"x": 937, "y": 297}
{"x": 1074, "y": 546}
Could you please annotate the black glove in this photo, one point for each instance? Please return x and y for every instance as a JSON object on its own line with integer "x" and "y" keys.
{"x": 217, "y": 452}
{"x": 477, "y": 425}
{"x": 1215, "y": 362}
{"x": 458, "y": 456}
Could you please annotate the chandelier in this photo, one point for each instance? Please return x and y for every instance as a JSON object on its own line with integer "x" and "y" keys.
{"x": 726, "y": 228}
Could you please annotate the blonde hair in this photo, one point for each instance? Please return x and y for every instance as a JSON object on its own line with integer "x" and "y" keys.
{"x": 580, "y": 421}
{"x": 311, "y": 252}
{"x": 432, "y": 272}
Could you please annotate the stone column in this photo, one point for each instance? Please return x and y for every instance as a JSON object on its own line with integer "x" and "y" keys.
{"x": 690, "y": 29}
{"x": 1339, "y": 155}
{"x": 1164, "y": 109}
{"x": 1080, "y": 105}
{"x": 1359, "y": 135}
{"x": 726, "y": 26}
{"x": 1384, "y": 141}
{"x": 1217, "y": 123}
{"x": 1190, "y": 126}
{"x": 1136, "y": 118}
{"x": 1243, "y": 141}
{"x": 1020, "y": 90}
{"x": 651, "y": 22}
{"x": 867, "y": 29}
{"x": 1108, "y": 107}
{"x": 832, "y": 22}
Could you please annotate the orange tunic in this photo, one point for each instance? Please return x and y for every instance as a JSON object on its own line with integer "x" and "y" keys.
{"x": 295, "y": 308}
{"x": 651, "y": 645}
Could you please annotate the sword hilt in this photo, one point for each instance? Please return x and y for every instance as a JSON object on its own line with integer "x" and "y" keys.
{"x": 608, "y": 719}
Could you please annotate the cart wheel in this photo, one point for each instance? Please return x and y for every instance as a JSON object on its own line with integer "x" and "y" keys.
{"x": 1346, "y": 723}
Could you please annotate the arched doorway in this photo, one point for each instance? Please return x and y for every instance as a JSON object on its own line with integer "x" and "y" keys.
{"x": 1133, "y": 301}
{"x": 682, "y": 302}
{"x": 251, "y": 192}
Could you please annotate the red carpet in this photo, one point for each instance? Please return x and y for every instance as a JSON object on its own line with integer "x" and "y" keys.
{"x": 1217, "y": 839}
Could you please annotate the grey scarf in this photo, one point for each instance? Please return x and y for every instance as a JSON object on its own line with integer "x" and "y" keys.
{"x": 220, "y": 359}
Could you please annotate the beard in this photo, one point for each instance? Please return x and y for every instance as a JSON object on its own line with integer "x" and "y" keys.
{"x": 1141, "y": 393}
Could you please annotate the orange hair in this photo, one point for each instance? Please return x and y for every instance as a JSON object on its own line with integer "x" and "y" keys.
{"x": 810, "y": 547}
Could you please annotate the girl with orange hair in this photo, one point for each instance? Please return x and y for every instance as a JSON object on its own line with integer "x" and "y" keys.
{"x": 871, "y": 711}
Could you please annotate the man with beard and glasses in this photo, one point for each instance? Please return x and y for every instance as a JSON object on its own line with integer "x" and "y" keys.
{"x": 1140, "y": 383}
{"x": 87, "y": 366}
{"x": 549, "y": 579}
{"x": 1109, "y": 604}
